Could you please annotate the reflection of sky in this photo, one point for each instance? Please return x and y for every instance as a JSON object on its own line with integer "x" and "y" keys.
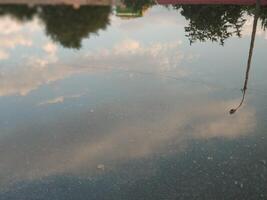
{"x": 47, "y": 62}
{"x": 127, "y": 94}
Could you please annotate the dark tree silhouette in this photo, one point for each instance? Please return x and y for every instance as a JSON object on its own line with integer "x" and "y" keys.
{"x": 212, "y": 22}
{"x": 138, "y": 5}
{"x": 263, "y": 17}
{"x": 63, "y": 24}
{"x": 252, "y": 41}
{"x": 69, "y": 26}
{"x": 19, "y": 12}
{"x": 262, "y": 14}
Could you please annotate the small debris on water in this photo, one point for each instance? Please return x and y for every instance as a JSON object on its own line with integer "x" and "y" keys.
{"x": 101, "y": 167}
{"x": 263, "y": 162}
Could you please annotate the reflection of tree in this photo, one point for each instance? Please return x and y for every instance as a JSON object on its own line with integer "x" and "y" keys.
{"x": 64, "y": 24}
{"x": 263, "y": 17}
{"x": 212, "y": 22}
{"x": 20, "y": 12}
{"x": 253, "y": 35}
{"x": 138, "y": 5}
{"x": 68, "y": 26}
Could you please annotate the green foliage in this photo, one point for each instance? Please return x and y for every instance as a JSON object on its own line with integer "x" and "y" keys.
{"x": 19, "y": 12}
{"x": 138, "y": 5}
{"x": 64, "y": 24}
{"x": 212, "y": 22}
{"x": 263, "y": 17}
{"x": 69, "y": 26}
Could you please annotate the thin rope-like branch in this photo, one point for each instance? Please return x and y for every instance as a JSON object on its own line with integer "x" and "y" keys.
{"x": 252, "y": 42}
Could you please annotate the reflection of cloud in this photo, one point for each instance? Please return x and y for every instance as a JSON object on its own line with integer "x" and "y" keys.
{"x": 136, "y": 136}
{"x": 221, "y": 125}
{"x": 24, "y": 80}
{"x": 127, "y": 46}
{"x": 131, "y": 54}
{"x": 43, "y": 61}
{"x": 3, "y": 55}
{"x": 9, "y": 26}
{"x": 60, "y": 99}
{"x": 12, "y": 41}
{"x": 12, "y": 35}
{"x": 50, "y": 48}
{"x": 127, "y": 55}
{"x": 8, "y": 42}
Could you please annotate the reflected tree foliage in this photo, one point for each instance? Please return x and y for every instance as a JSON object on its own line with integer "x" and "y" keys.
{"x": 212, "y": 22}
{"x": 138, "y": 5}
{"x": 69, "y": 26}
{"x": 19, "y": 12}
{"x": 63, "y": 24}
{"x": 262, "y": 16}
{"x": 217, "y": 22}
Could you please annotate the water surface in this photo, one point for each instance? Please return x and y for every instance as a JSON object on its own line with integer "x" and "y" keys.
{"x": 132, "y": 102}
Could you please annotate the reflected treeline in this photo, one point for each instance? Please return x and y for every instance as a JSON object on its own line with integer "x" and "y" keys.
{"x": 263, "y": 17}
{"x": 68, "y": 26}
{"x": 138, "y": 5}
{"x": 217, "y": 22}
{"x": 20, "y": 12}
{"x": 132, "y": 8}
{"x": 212, "y": 22}
{"x": 64, "y": 24}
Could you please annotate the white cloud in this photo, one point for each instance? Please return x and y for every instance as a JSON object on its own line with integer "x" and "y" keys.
{"x": 26, "y": 79}
{"x": 14, "y": 33}
{"x": 3, "y": 55}
{"x": 50, "y": 48}
{"x": 127, "y": 46}
{"x": 128, "y": 138}
{"x": 12, "y": 41}
{"x": 128, "y": 55}
{"x": 132, "y": 55}
{"x": 9, "y": 26}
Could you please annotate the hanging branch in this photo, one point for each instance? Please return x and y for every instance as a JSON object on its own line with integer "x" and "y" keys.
{"x": 253, "y": 35}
